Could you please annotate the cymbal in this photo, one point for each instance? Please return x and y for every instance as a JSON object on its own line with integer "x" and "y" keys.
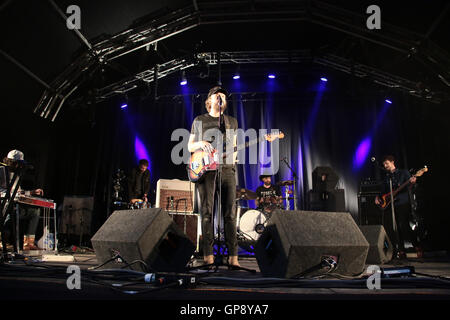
{"x": 285, "y": 183}
{"x": 245, "y": 194}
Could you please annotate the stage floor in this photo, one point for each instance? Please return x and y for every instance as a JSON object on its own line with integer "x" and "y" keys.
{"x": 34, "y": 279}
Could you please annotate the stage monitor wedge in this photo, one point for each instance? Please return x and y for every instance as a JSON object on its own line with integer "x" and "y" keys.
{"x": 381, "y": 249}
{"x": 297, "y": 241}
{"x": 149, "y": 235}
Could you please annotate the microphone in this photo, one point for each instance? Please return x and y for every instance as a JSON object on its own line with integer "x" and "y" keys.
{"x": 373, "y": 159}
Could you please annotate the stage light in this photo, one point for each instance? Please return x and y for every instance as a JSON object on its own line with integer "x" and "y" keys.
{"x": 323, "y": 79}
{"x": 183, "y": 81}
{"x": 362, "y": 152}
{"x": 388, "y": 101}
{"x": 124, "y": 106}
{"x": 236, "y": 77}
{"x": 271, "y": 76}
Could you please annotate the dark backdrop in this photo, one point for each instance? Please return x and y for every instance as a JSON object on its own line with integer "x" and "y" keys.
{"x": 324, "y": 124}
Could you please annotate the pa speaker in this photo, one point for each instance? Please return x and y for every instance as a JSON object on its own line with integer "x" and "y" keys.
{"x": 148, "y": 235}
{"x": 332, "y": 201}
{"x": 297, "y": 241}
{"x": 380, "y": 250}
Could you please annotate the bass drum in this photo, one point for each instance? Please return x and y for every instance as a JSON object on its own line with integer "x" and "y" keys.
{"x": 252, "y": 224}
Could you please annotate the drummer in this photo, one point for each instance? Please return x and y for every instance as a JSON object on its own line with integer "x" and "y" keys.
{"x": 268, "y": 195}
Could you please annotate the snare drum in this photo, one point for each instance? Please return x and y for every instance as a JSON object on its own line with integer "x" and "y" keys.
{"x": 252, "y": 224}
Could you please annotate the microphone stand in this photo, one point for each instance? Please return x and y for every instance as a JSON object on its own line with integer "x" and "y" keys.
{"x": 218, "y": 261}
{"x": 294, "y": 174}
{"x": 379, "y": 167}
{"x": 394, "y": 221}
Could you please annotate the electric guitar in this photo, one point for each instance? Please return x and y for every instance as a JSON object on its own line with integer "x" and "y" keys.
{"x": 201, "y": 161}
{"x": 385, "y": 199}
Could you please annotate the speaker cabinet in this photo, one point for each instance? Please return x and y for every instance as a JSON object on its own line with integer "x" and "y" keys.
{"x": 149, "y": 235}
{"x": 296, "y": 241}
{"x": 190, "y": 225}
{"x": 380, "y": 250}
{"x": 331, "y": 201}
{"x": 368, "y": 211}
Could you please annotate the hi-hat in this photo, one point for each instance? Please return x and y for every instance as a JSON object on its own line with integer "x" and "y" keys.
{"x": 285, "y": 183}
{"x": 245, "y": 194}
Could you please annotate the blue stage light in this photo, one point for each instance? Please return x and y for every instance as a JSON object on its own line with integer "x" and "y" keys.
{"x": 123, "y": 106}
{"x": 388, "y": 101}
{"x": 271, "y": 76}
{"x": 323, "y": 79}
{"x": 236, "y": 77}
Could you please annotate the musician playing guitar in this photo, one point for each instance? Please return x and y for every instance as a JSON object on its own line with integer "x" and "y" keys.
{"x": 202, "y": 137}
{"x": 402, "y": 206}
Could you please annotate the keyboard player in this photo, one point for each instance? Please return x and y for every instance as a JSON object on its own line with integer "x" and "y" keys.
{"x": 27, "y": 213}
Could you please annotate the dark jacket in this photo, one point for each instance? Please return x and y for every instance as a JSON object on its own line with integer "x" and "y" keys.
{"x": 399, "y": 176}
{"x": 138, "y": 183}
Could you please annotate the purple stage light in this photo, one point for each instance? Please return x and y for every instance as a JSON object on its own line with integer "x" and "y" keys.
{"x": 140, "y": 150}
{"x": 362, "y": 152}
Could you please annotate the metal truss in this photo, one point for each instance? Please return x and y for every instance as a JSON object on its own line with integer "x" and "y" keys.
{"x": 207, "y": 12}
{"x": 275, "y": 57}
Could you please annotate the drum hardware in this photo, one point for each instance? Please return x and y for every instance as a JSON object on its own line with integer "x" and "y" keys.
{"x": 245, "y": 194}
{"x": 287, "y": 192}
{"x": 252, "y": 224}
{"x": 294, "y": 182}
{"x": 285, "y": 183}
{"x": 139, "y": 204}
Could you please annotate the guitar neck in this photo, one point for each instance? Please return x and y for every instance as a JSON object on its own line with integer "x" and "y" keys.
{"x": 402, "y": 186}
{"x": 245, "y": 145}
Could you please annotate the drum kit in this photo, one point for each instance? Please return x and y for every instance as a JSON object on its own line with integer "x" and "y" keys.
{"x": 251, "y": 223}
{"x": 136, "y": 204}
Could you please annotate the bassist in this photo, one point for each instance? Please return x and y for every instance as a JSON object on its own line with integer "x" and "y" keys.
{"x": 402, "y": 206}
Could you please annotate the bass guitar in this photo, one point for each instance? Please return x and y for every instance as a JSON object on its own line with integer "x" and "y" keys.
{"x": 385, "y": 199}
{"x": 201, "y": 161}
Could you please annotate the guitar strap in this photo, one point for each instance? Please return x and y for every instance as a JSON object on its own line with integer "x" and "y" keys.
{"x": 227, "y": 122}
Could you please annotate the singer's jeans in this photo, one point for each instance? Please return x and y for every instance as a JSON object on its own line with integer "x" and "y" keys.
{"x": 208, "y": 190}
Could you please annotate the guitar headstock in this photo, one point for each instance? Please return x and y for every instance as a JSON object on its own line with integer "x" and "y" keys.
{"x": 272, "y": 136}
{"x": 421, "y": 171}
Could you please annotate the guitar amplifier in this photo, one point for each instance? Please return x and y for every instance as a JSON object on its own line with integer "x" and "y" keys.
{"x": 332, "y": 201}
{"x": 189, "y": 223}
{"x": 370, "y": 186}
{"x": 369, "y": 213}
{"x": 175, "y": 195}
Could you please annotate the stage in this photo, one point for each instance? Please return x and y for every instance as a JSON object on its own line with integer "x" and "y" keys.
{"x": 319, "y": 127}
{"x": 31, "y": 279}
